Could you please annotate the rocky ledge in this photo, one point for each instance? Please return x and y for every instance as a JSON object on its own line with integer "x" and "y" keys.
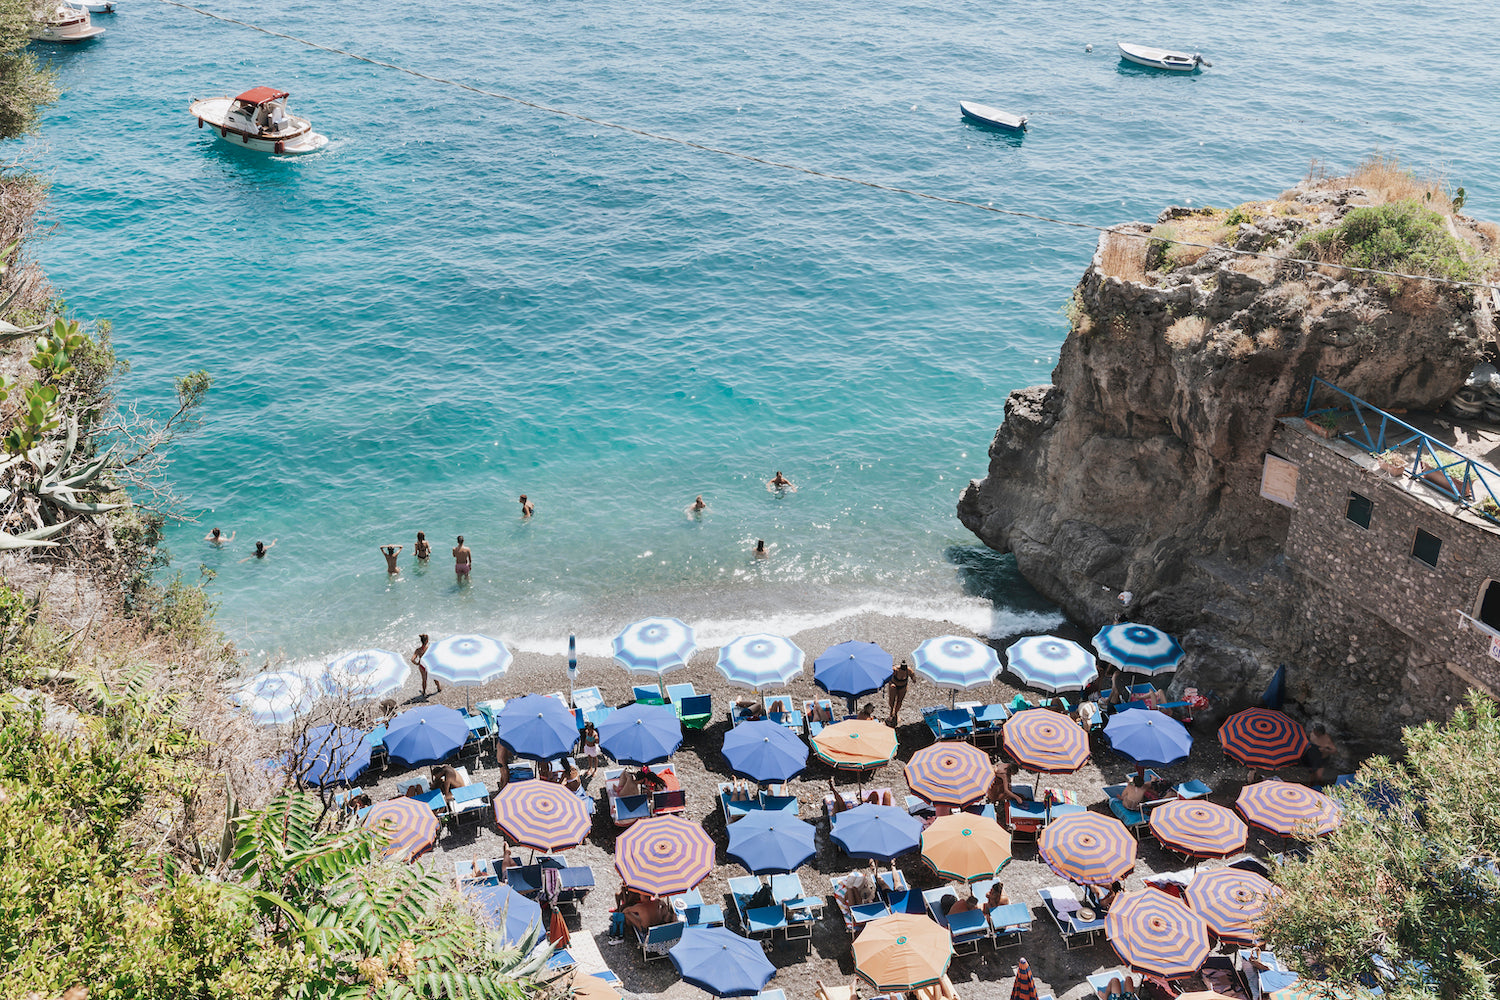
{"x": 1139, "y": 468}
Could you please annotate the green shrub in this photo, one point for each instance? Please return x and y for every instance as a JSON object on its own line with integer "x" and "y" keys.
{"x": 1238, "y": 217}
{"x": 1403, "y": 236}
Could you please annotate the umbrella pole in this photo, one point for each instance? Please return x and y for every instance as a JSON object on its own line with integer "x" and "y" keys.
{"x": 661, "y": 685}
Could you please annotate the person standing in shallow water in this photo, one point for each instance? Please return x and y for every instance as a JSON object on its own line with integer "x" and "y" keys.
{"x": 526, "y": 508}
{"x": 423, "y": 548}
{"x": 416, "y": 661}
{"x": 391, "y": 552}
{"x": 760, "y": 549}
{"x": 463, "y": 560}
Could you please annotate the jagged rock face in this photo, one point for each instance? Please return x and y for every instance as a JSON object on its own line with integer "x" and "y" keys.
{"x": 1139, "y": 467}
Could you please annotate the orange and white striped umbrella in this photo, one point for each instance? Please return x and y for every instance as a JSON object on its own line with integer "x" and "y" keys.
{"x": 408, "y": 824}
{"x": 856, "y": 744}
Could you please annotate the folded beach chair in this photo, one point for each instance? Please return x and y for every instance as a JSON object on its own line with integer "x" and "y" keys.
{"x": 695, "y": 711}
{"x": 770, "y": 995}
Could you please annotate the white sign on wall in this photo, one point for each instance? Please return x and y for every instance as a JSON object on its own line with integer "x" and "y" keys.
{"x": 1278, "y": 481}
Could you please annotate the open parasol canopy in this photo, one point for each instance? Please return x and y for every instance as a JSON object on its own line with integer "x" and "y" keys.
{"x": 1231, "y": 900}
{"x": 1151, "y": 739}
{"x": 275, "y": 697}
{"x": 508, "y": 911}
{"x": 902, "y": 952}
{"x": 1286, "y": 808}
{"x": 655, "y": 646}
{"x": 541, "y": 815}
{"x": 1051, "y": 664}
{"x": 640, "y": 734}
{"x": 1138, "y": 649}
{"x": 764, "y": 751}
{"x": 663, "y": 855}
{"x": 328, "y": 755}
{"x": 366, "y": 674}
{"x": 720, "y": 961}
{"x": 1198, "y": 829}
{"x": 1045, "y": 742}
{"x": 537, "y": 727}
{"x": 426, "y": 734}
{"x": 1088, "y": 848}
{"x": 855, "y": 744}
{"x": 1155, "y": 933}
{"x": 873, "y": 831}
{"x": 408, "y": 825}
{"x": 760, "y": 661}
{"x": 769, "y": 842}
{"x": 467, "y": 660}
{"x": 852, "y": 670}
{"x": 1263, "y": 738}
{"x": 954, "y": 774}
{"x": 956, "y": 662}
{"x": 965, "y": 846}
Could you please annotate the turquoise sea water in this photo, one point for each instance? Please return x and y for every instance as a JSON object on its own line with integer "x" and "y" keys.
{"x": 462, "y": 299}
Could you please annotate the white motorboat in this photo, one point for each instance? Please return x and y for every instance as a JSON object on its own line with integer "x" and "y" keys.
{"x": 65, "y": 24}
{"x": 258, "y": 120}
{"x": 92, "y": 6}
{"x": 1179, "y": 62}
{"x": 993, "y": 117}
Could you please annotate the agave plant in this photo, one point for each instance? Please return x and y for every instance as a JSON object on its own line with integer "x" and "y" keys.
{"x": 61, "y": 474}
{"x": 367, "y": 925}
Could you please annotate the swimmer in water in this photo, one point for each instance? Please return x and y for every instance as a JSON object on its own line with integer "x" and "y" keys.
{"x": 463, "y": 560}
{"x": 760, "y": 549}
{"x": 526, "y": 508}
{"x": 217, "y": 539}
{"x": 391, "y": 552}
{"x": 261, "y": 548}
{"x": 423, "y": 548}
{"x": 779, "y": 482}
{"x": 698, "y": 505}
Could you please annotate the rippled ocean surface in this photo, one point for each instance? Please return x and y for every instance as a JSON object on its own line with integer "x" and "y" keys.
{"x": 462, "y": 299}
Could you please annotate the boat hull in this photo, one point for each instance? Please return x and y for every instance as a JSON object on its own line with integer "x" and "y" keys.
{"x": 989, "y": 117}
{"x": 92, "y": 6}
{"x": 293, "y": 141}
{"x": 1174, "y": 62}
{"x": 65, "y": 34}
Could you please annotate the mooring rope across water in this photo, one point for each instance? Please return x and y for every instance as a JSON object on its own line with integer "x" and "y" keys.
{"x": 797, "y": 168}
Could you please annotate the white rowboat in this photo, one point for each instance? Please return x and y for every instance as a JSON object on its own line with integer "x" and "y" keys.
{"x": 993, "y": 117}
{"x": 92, "y": 6}
{"x": 258, "y": 120}
{"x": 1179, "y": 62}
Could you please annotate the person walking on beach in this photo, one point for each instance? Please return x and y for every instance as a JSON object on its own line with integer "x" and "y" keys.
{"x": 526, "y": 508}
{"x": 423, "y": 548}
{"x": 416, "y": 661}
{"x": 463, "y": 560}
{"x": 217, "y": 540}
{"x": 391, "y": 552}
{"x": 780, "y": 482}
{"x": 900, "y": 678}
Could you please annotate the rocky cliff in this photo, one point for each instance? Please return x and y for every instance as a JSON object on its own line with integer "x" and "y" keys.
{"x": 1138, "y": 469}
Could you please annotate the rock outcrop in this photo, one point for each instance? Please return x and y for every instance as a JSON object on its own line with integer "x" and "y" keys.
{"x": 1139, "y": 468}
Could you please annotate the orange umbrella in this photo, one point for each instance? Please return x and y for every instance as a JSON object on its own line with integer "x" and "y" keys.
{"x": 962, "y": 845}
{"x": 856, "y": 744}
{"x": 408, "y": 826}
{"x": 902, "y": 952}
{"x": 591, "y": 988}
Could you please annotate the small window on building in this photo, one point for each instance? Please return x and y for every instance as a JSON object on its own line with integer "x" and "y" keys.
{"x": 1425, "y": 547}
{"x": 1359, "y": 509}
{"x": 1488, "y": 611}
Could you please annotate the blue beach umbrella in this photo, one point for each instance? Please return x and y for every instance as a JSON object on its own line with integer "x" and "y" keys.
{"x": 769, "y": 841}
{"x": 537, "y": 727}
{"x": 852, "y": 670}
{"x": 720, "y": 961}
{"x": 467, "y": 660}
{"x": 879, "y": 832}
{"x": 366, "y": 674}
{"x": 426, "y": 734}
{"x": 764, "y": 752}
{"x": 330, "y": 755}
{"x": 640, "y": 734}
{"x": 275, "y": 697}
{"x": 1148, "y": 738}
{"x": 955, "y": 662}
{"x": 507, "y": 910}
{"x": 760, "y": 660}
{"x": 1139, "y": 649}
{"x": 1051, "y": 664}
{"x": 655, "y": 646}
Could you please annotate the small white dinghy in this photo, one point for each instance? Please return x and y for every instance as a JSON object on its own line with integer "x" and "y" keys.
{"x": 983, "y": 114}
{"x": 93, "y": 6}
{"x": 1179, "y": 62}
{"x": 65, "y": 24}
{"x": 258, "y": 120}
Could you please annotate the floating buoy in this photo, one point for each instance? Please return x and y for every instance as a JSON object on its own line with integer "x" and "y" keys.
{"x": 280, "y": 146}
{"x": 1089, "y": 47}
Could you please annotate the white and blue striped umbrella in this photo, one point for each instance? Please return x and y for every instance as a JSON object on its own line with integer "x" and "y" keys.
{"x": 655, "y": 646}
{"x": 1139, "y": 649}
{"x": 365, "y": 675}
{"x": 1050, "y": 663}
{"x": 275, "y": 697}
{"x": 760, "y": 660}
{"x": 467, "y": 660}
{"x": 952, "y": 661}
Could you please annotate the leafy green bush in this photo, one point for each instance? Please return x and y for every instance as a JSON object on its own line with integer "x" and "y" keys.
{"x": 1403, "y": 236}
{"x": 1238, "y": 217}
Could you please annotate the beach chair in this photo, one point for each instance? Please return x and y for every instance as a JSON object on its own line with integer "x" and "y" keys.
{"x": 733, "y": 809}
{"x": 677, "y": 692}
{"x": 664, "y": 803}
{"x": 1008, "y": 923}
{"x": 693, "y": 911}
{"x": 587, "y": 699}
{"x": 1063, "y": 905}
{"x": 780, "y": 803}
{"x": 695, "y": 711}
{"x": 598, "y": 715}
{"x": 950, "y": 723}
{"x": 770, "y": 995}
{"x": 741, "y": 889}
{"x": 560, "y": 962}
{"x": 1028, "y": 816}
{"x": 625, "y": 810}
{"x": 480, "y": 871}
{"x": 987, "y": 722}
{"x": 1099, "y": 981}
{"x": 471, "y": 801}
{"x": 647, "y": 695}
{"x": 1193, "y": 789}
{"x": 658, "y": 940}
{"x": 1135, "y": 822}
{"x": 765, "y": 920}
{"x": 521, "y": 770}
{"x": 525, "y": 879}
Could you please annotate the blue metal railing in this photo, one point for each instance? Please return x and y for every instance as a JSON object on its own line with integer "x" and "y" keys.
{"x": 1456, "y": 476}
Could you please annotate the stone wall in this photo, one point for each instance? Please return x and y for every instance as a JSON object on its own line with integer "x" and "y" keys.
{"x": 1373, "y": 568}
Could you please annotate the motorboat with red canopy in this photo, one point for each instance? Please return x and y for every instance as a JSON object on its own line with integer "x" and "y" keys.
{"x": 258, "y": 120}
